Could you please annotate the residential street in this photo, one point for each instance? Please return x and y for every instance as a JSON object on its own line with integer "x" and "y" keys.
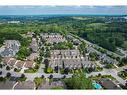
{"x": 112, "y": 72}
{"x": 31, "y": 76}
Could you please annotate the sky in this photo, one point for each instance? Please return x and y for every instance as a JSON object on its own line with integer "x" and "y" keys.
{"x": 46, "y": 10}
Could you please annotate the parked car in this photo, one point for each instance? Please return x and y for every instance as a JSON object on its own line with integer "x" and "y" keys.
{"x": 0, "y": 72}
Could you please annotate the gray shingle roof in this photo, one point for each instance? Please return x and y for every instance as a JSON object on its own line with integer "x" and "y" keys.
{"x": 7, "y": 84}
{"x": 25, "y": 85}
{"x": 108, "y": 84}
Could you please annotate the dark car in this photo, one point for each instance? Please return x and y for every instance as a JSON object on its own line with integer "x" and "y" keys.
{"x": 0, "y": 72}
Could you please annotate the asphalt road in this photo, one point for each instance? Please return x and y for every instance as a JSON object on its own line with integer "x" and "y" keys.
{"x": 31, "y": 76}
{"x": 112, "y": 72}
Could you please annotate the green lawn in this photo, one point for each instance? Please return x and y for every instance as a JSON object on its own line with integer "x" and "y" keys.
{"x": 102, "y": 76}
{"x": 38, "y": 81}
{"x": 123, "y": 74}
{"x": 31, "y": 70}
{"x": 17, "y": 70}
{"x": 57, "y": 88}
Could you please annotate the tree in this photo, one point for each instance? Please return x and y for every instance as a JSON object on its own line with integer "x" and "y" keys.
{"x": 2, "y": 79}
{"x": 1, "y": 65}
{"x": 23, "y": 52}
{"x": 38, "y": 81}
{"x": 126, "y": 84}
{"x": 22, "y": 76}
{"x": 64, "y": 76}
{"x": 93, "y": 56}
{"x": 108, "y": 66}
{"x": 66, "y": 70}
{"x": 15, "y": 69}
{"x": 78, "y": 81}
{"x": 8, "y": 75}
{"x": 46, "y": 62}
{"x": 51, "y": 76}
{"x": 7, "y": 68}
{"x": 49, "y": 70}
{"x": 42, "y": 76}
{"x": 99, "y": 74}
{"x": 124, "y": 60}
{"x": 56, "y": 69}
{"x": 47, "y": 54}
{"x": 0, "y": 59}
{"x": 90, "y": 69}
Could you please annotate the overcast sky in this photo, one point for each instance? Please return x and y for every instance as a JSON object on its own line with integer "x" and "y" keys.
{"x": 42, "y": 10}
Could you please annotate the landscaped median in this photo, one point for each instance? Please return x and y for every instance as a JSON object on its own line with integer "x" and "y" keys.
{"x": 123, "y": 74}
{"x": 32, "y": 70}
{"x": 99, "y": 76}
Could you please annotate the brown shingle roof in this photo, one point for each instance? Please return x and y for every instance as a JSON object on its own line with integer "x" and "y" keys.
{"x": 20, "y": 64}
{"x": 6, "y": 60}
{"x": 12, "y": 61}
{"x": 29, "y": 64}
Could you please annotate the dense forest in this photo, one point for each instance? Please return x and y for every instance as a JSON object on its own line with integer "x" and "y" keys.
{"x": 107, "y": 31}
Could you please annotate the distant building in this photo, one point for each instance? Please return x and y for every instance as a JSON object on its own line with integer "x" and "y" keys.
{"x": 30, "y": 34}
{"x": 52, "y": 37}
{"x": 71, "y": 59}
{"x": 34, "y": 45}
{"x": 14, "y": 22}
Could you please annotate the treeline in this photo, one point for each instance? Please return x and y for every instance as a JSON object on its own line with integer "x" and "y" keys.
{"x": 106, "y": 32}
{"x": 10, "y": 36}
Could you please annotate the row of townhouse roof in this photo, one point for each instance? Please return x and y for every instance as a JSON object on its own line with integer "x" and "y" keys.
{"x": 18, "y": 63}
{"x": 71, "y": 59}
{"x": 53, "y": 37}
{"x": 71, "y": 63}
{"x": 65, "y": 54}
{"x": 74, "y": 40}
{"x": 103, "y": 57}
{"x": 34, "y": 45}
